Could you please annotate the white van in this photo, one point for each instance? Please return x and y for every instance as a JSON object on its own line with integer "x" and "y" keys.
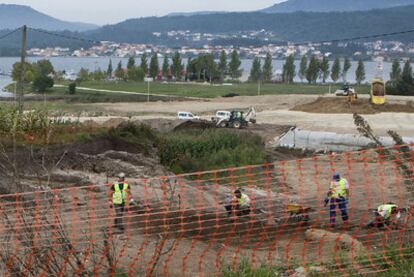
{"x": 187, "y": 116}
{"x": 220, "y": 115}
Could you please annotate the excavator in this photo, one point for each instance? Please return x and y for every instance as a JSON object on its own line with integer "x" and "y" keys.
{"x": 238, "y": 119}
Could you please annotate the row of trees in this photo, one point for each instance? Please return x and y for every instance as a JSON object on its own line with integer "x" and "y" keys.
{"x": 311, "y": 70}
{"x": 202, "y": 68}
{"x": 401, "y": 80}
{"x": 205, "y": 68}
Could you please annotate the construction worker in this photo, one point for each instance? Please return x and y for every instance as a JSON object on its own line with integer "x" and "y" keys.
{"x": 240, "y": 204}
{"x": 120, "y": 196}
{"x": 386, "y": 215}
{"x": 338, "y": 196}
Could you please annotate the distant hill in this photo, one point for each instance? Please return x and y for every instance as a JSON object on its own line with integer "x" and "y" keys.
{"x": 334, "y": 5}
{"x": 298, "y": 26}
{"x": 195, "y": 13}
{"x": 14, "y": 16}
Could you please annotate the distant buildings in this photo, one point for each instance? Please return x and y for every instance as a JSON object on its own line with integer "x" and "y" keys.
{"x": 279, "y": 50}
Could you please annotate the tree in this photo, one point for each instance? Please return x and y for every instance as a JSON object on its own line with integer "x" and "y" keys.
{"x": 256, "y": 71}
{"x": 136, "y": 74}
{"x": 324, "y": 67}
{"x": 313, "y": 70}
{"x": 189, "y": 70}
{"x": 360, "y": 72}
{"x": 43, "y": 68}
{"x": 98, "y": 75}
{"x": 154, "y": 66}
{"x": 268, "y": 68}
{"x": 28, "y": 70}
{"x": 131, "y": 62}
{"x": 222, "y": 66}
{"x": 144, "y": 63}
{"x": 407, "y": 73}
{"x": 303, "y": 68}
{"x": 395, "y": 74}
{"x": 177, "y": 66}
{"x": 347, "y": 67}
{"x": 336, "y": 70}
{"x": 84, "y": 75}
{"x": 110, "y": 69}
{"x": 289, "y": 70}
{"x": 119, "y": 72}
{"x": 42, "y": 82}
{"x": 234, "y": 66}
{"x": 165, "y": 67}
{"x": 403, "y": 83}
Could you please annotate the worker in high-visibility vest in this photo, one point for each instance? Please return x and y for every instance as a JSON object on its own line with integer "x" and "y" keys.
{"x": 338, "y": 196}
{"x": 120, "y": 197}
{"x": 240, "y": 204}
{"x": 386, "y": 215}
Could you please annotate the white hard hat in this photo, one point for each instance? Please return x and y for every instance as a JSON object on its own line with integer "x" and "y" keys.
{"x": 121, "y": 175}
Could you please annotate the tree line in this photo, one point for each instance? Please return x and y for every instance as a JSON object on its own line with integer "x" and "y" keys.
{"x": 310, "y": 70}
{"x": 203, "y": 68}
{"x": 401, "y": 80}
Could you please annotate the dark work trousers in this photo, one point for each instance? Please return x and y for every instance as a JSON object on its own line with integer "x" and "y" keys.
{"x": 119, "y": 211}
{"x": 341, "y": 202}
{"x": 238, "y": 210}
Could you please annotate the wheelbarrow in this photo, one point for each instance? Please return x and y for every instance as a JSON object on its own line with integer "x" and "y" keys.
{"x": 298, "y": 213}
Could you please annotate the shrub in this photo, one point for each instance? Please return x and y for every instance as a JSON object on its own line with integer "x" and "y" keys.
{"x": 199, "y": 150}
{"x": 72, "y": 88}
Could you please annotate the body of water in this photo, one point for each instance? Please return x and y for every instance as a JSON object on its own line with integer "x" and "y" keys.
{"x": 75, "y": 64}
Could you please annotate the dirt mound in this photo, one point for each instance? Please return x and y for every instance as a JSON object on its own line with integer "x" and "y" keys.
{"x": 361, "y": 106}
{"x": 186, "y": 125}
{"x": 341, "y": 241}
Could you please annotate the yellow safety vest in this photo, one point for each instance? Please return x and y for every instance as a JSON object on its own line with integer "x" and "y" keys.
{"x": 339, "y": 191}
{"x": 388, "y": 208}
{"x": 119, "y": 196}
{"x": 244, "y": 200}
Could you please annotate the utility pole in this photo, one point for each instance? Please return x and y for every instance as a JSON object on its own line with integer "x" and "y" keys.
{"x": 22, "y": 68}
{"x": 148, "y": 97}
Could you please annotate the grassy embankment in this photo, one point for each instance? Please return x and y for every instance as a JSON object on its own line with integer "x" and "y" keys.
{"x": 104, "y": 90}
{"x": 212, "y": 91}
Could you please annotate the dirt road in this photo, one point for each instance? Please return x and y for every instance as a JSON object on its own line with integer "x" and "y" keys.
{"x": 271, "y": 110}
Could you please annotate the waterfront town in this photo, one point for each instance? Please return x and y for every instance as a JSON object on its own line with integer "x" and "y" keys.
{"x": 207, "y": 44}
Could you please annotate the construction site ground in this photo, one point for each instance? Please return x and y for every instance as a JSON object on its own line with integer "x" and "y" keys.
{"x": 272, "y": 110}
{"x": 200, "y": 237}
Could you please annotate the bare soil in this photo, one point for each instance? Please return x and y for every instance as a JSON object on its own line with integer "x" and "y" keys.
{"x": 340, "y": 105}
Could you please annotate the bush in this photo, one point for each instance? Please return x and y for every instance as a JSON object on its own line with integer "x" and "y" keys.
{"x": 42, "y": 83}
{"x": 200, "y": 150}
{"x": 72, "y": 88}
{"x": 142, "y": 137}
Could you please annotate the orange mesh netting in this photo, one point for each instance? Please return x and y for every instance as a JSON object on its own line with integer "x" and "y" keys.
{"x": 179, "y": 226}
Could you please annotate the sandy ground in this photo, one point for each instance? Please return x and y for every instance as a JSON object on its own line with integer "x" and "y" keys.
{"x": 271, "y": 110}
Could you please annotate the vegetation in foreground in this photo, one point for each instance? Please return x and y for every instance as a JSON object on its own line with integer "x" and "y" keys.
{"x": 201, "y": 150}
{"x": 182, "y": 151}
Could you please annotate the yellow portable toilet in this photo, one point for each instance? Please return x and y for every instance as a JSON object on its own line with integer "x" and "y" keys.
{"x": 378, "y": 92}
{"x": 378, "y": 84}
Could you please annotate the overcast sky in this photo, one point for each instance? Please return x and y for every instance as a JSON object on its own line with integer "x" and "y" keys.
{"x": 112, "y": 11}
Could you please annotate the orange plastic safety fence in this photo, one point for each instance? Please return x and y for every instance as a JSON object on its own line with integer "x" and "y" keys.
{"x": 193, "y": 225}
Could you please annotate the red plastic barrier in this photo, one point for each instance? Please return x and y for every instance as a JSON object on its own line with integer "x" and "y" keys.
{"x": 181, "y": 227}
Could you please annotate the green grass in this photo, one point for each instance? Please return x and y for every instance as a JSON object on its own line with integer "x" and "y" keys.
{"x": 181, "y": 90}
{"x": 200, "y": 150}
{"x": 212, "y": 91}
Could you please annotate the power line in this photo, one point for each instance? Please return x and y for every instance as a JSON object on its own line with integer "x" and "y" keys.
{"x": 64, "y": 36}
{"x": 82, "y": 39}
{"x": 10, "y": 33}
{"x": 356, "y": 38}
